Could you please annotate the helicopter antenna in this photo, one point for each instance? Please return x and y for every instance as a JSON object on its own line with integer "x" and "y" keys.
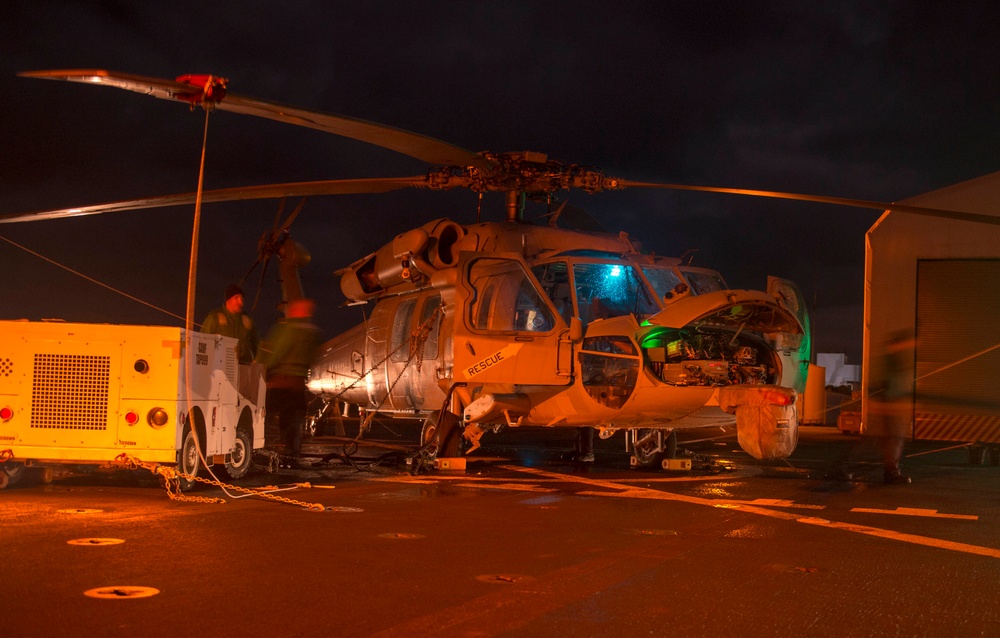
{"x": 555, "y": 214}
{"x": 689, "y": 254}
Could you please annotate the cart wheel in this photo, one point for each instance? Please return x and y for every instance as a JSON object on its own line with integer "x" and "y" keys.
{"x": 188, "y": 463}
{"x": 10, "y": 474}
{"x": 239, "y": 459}
{"x": 45, "y": 475}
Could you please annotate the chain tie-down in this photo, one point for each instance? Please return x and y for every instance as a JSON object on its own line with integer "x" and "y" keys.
{"x": 171, "y": 477}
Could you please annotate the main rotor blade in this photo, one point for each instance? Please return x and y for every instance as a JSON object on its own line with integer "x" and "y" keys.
{"x": 840, "y": 201}
{"x": 421, "y": 147}
{"x": 269, "y": 191}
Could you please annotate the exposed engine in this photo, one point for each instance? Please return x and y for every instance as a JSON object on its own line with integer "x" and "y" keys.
{"x": 715, "y": 358}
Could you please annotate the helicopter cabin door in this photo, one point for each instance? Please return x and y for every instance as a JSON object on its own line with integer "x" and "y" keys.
{"x": 506, "y": 329}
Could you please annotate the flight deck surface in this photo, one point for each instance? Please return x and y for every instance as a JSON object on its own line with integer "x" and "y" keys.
{"x": 525, "y": 542}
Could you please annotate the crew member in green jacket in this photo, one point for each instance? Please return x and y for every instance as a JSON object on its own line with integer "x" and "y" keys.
{"x": 229, "y": 321}
{"x": 288, "y": 353}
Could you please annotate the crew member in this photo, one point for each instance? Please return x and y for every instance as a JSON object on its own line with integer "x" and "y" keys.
{"x": 287, "y": 353}
{"x": 229, "y": 321}
{"x": 890, "y": 407}
{"x": 585, "y": 444}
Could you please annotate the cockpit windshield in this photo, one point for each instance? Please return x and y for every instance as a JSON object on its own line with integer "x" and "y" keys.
{"x": 595, "y": 289}
{"x": 664, "y": 280}
{"x": 667, "y": 281}
{"x": 610, "y": 290}
{"x": 703, "y": 280}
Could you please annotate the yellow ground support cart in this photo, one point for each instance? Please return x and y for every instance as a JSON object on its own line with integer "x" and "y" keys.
{"x": 84, "y": 394}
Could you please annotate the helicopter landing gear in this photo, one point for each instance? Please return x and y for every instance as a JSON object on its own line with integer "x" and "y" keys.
{"x": 441, "y": 439}
{"x": 650, "y": 446}
{"x": 429, "y": 436}
{"x": 441, "y": 435}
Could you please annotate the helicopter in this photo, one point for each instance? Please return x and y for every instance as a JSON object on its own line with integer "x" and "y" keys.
{"x": 505, "y": 324}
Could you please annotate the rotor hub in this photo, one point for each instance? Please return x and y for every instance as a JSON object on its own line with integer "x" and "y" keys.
{"x": 527, "y": 172}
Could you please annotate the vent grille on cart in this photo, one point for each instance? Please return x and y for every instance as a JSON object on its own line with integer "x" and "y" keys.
{"x": 70, "y": 392}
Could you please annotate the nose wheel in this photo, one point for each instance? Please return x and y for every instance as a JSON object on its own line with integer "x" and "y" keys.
{"x": 650, "y": 446}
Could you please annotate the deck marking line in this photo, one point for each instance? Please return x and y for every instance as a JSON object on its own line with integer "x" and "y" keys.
{"x": 906, "y": 538}
{"x": 516, "y": 487}
{"x": 916, "y": 511}
{"x": 645, "y": 493}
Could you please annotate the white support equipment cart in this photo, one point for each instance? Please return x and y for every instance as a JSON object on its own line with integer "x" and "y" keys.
{"x": 83, "y": 394}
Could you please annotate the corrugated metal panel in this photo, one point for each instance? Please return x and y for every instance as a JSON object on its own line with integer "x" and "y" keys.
{"x": 957, "y": 353}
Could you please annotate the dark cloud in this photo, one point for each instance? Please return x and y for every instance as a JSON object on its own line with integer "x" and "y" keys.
{"x": 857, "y": 99}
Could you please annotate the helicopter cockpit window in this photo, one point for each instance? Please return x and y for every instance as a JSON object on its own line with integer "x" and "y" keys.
{"x": 506, "y": 299}
{"x": 610, "y": 290}
{"x": 555, "y": 283}
{"x": 663, "y": 280}
{"x": 704, "y": 281}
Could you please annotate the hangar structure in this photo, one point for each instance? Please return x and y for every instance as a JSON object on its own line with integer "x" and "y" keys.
{"x": 938, "y": 280}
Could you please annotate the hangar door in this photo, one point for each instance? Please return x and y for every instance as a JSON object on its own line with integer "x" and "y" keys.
{"x": 958, "y": 350}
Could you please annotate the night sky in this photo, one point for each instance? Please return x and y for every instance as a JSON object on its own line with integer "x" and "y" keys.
{"x": 870, "y": 100}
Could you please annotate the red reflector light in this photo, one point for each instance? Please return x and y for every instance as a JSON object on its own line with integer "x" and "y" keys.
{"x": 131, "y": 417}
{"x": 6, "y": 414}
{"x": 778, "y": 398}
{"x": 205, "y": 88}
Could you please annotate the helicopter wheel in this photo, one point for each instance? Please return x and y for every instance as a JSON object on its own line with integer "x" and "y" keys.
{"x": 649, "y": 447}
{"x": 670, "y": 445}
{"x": 429, "y": 436}
{"x": 645, "y": 450}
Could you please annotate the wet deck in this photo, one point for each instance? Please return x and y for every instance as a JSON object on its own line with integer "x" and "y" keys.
{"x": 524, "y": 542}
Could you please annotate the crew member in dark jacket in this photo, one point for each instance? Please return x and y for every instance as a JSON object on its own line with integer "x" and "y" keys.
{"x": 229, "y": 321}
{"x": 288, "y": 353}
